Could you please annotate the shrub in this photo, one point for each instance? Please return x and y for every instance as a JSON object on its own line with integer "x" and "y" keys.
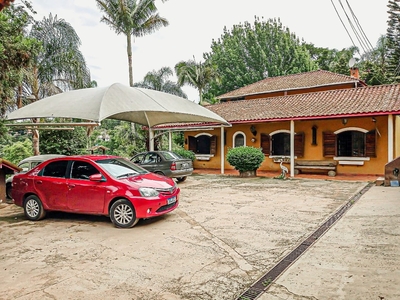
{"x": 245, "y": 158}
{"x": 186, "y": 153}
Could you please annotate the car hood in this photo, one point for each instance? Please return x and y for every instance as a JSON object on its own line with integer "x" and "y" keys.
{"x": 150, "y": 180}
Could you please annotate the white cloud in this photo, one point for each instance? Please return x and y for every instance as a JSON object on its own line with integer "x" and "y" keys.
{"x": 193, "y": 25}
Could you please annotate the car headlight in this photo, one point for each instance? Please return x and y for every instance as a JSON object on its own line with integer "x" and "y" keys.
{"x": 148, "y": 192}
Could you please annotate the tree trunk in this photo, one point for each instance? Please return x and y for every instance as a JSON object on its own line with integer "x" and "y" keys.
{"x": 129, "y": 51}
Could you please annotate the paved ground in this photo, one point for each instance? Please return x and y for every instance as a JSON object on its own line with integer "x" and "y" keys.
{"x": 227, "y": 232}
{"x": 359, "y": 258}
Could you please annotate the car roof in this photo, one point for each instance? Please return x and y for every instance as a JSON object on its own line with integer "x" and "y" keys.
{"x": 41, "y": 157}
{"x": 93, "y": 157}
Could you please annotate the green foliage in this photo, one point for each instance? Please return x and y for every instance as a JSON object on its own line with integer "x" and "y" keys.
{"x": 393, "y": 40}
{"x": 18, "y": 151}
{"x": 245, "y": 158}
{"x": 178, "y": 138}
{"x": 60, "y": 65}
{"x": 16, "y": 53}
{"x": 158, "y": 80}
{"x": 67, "y": 142}
{"x": 196, "y": 74}
{"x": 186, "y": 153}
{"x": 135, "y": 18}
{"x": 250, "y": 52}
{"x": 117, "y": 136}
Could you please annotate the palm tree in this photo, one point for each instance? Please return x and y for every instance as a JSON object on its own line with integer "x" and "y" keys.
{"x": 135, "y": 18}
{"x": 197, "y": 75}
{"x": 59, "y": 66}
{"x": 158, "y": 80}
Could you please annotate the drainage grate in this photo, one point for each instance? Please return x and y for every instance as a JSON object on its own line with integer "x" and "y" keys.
{"x": 261, "y": 285}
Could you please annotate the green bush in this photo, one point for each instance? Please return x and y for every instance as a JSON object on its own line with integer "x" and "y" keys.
{"x": 18, "y": 151}
{"x": 245, "y": 158}
{"x": 185, "y": 153}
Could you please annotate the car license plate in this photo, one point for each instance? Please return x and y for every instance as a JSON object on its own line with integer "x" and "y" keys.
{"x": 185, "y": 166}
{"x": 171, "y": 200}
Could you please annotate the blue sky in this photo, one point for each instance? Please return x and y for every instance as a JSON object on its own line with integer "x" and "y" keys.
{"x": 194, "y": 23}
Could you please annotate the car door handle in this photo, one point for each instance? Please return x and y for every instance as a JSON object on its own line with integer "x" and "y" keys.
{"x": 39, "y": 182}
{"x": 71, "y": 185}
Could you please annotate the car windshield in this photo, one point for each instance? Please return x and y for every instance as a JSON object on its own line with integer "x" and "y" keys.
{"x": 171, "y": 155}
{"x": 119, "y": 167}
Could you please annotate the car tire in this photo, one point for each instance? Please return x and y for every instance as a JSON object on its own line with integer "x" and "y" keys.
{"x": 181, "y": 179}
{"x": 159, "y": 173}
{"x": 8, "y": 190}
{"x": 33, "y": 208}
{"x": 123, "y": 214}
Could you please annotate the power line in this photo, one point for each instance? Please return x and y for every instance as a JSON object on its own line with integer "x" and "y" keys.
{"x": 357, "y": 29}
{"x": 334, "y": 6}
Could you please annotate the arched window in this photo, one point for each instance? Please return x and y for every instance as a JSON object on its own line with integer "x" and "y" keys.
{"x": 203, "y": 143}
{"x": 350, "y": 142}
{"x": 239, "y": 139}
{"x": 277, "y": 143}
{"x": 281, "y": 144}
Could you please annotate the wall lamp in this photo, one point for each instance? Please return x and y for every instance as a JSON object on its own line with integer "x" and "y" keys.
{"x": 253, "y": 130}
{"x": 344, "y": 121}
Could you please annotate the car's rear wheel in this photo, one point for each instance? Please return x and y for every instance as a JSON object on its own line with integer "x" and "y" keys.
{"x": 123, "y": 214}
{"x": 181, "y": 179}
{"x": 8, "y": 190}
{"x": 159, "y": 173}
{"x": 33, "y": 208}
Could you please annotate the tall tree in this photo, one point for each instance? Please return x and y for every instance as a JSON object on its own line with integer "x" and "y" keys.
{"x": 58, "y": 67}
{"x": 158, "y": 80}
{"x": 393, "y": 40}
{"x": 16, "y": 53}
{"x": 196, "y": 74}
{"x": 373, "y": 65}
{"x": 251, "y": 52}
{"x": 133, "y": 18}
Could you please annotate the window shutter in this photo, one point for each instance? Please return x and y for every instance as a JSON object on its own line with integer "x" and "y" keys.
{"x": 370, "y": 144}
{"x": 265, "y": 143}
{"x": 299, "y": 144}
{"x": 213, "y": 144}
{"x": 192, "y": 144}
{"x": 329, "y": 142}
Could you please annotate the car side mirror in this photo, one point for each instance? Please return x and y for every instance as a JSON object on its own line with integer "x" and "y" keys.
{"x": 97, "y": 177}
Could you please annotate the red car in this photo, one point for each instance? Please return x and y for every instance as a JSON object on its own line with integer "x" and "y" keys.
{"x": 95, "y": 184}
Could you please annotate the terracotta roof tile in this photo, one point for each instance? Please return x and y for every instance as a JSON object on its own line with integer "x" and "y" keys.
{"x": 292, "y": 82}
{"x": 357, "y": 101}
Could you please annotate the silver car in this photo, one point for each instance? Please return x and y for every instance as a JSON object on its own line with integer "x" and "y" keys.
{"x": 165, "y": 163}
{"x": 27, "y": 164}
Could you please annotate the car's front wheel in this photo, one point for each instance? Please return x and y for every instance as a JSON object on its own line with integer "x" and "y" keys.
{"x": 181, "y": 179}
{"x": 33, "y": 208}
{"x": 8, "y": 190}
{"x": 123, "y": 214}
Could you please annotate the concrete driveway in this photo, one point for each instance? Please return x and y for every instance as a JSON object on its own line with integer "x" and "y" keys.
{"x": 226, "y": 233}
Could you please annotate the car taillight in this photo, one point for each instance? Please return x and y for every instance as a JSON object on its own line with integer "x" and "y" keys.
{"x": 173, "y": 166}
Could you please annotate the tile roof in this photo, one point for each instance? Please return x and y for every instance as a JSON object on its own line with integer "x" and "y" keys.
{"x": 292, "y": 82}
{"x": 382, "y": 99}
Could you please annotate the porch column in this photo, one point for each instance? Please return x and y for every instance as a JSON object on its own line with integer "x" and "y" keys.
{"x": 151, "y": 139}
{"x": 390, "y": 138}
{"x": 222, "y": 151}
{"x": 291, "y": 148}
{"x": 170, "y": 140}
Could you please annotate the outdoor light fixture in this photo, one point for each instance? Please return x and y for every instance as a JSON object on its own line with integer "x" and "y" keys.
{"x": 344, "y": 121}
{"x": 253, "y": 140}
{"x": 253, "y": 130}
{"x": 373, "y": 119}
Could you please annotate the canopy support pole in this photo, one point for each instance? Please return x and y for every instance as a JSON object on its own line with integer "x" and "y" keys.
{"x": 151, "y": 139}
{"x": 222, "y": 150}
